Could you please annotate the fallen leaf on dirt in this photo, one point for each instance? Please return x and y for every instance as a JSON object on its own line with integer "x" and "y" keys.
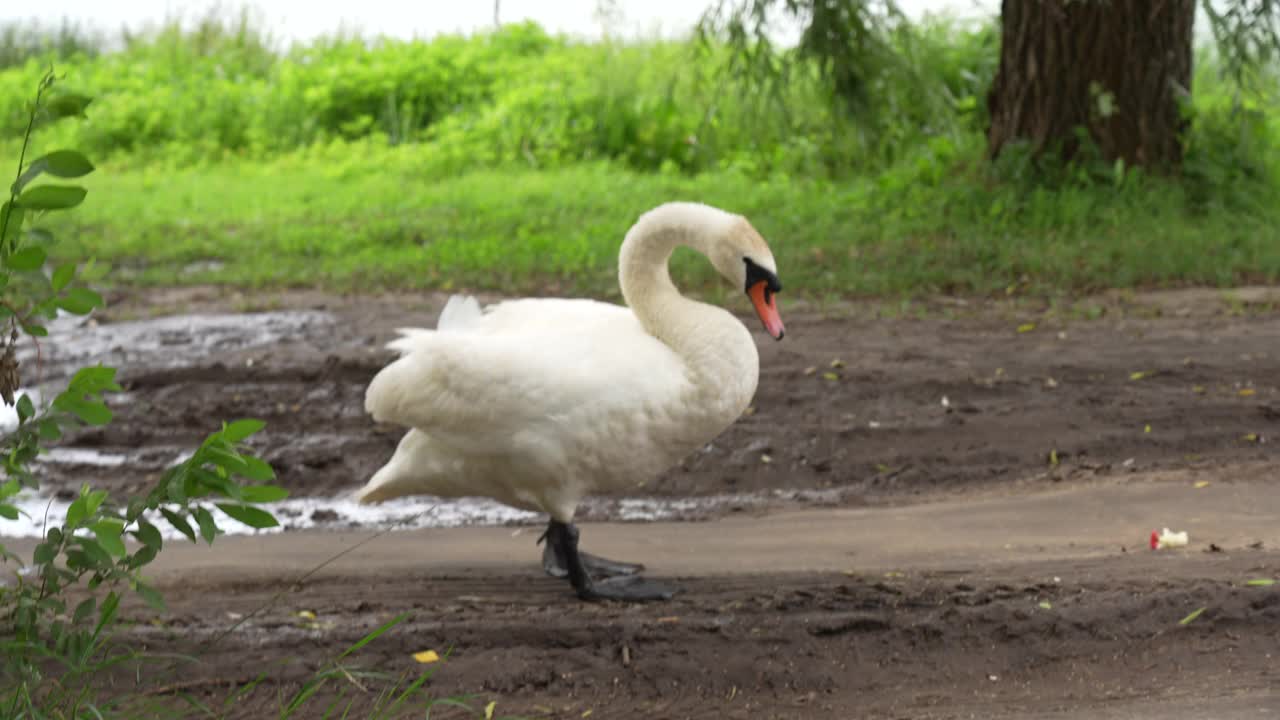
{"x": 1050, "y": 383}
{"x": 1146, "y": 429}
{"x": 1053, "y": 458}
{"x": 766, "y": 459}
{"x": 306, "y": 615}
{"x": 1046, "y": 605}
{"x": 1246, "y": 392}
{"x": 1251, "y": 437}
{"x": 427, "y": 656}
{"x": 894, "y": 574}
{"x": 810, "y": 370}
{"x": 1197, "y": 389}
{"x": 830, "y": 376}
{"x": 837, "y": 363}
{"x": 1202, "y": 484}
{"x": 488, "y": 709}
{"x": 1190, "y": 618}
{"x": 587, "y": 713}
{"x": 1137, "y": 375}
{"x": 1261, "y": 582}
{"x": 668, "y": 619}
{"x": 1026, "y": 327}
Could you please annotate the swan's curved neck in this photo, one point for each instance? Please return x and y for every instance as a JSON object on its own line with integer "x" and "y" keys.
{"x": 645, "y": 279}
{"x": 716, "y": 347}
{"x": 707, "y": 336}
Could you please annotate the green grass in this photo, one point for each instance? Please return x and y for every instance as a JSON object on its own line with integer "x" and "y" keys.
{"x": 369, "y": 219}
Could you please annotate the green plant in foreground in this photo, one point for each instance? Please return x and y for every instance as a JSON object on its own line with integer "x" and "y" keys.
{"x": 51, "y": 649}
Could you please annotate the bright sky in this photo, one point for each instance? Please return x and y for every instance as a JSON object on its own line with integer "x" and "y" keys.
{"x": 301, "y": 19}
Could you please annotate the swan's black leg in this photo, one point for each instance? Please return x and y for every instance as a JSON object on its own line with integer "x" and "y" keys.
{"x": 562, "y": 543}
{"x": 555, "y": 564}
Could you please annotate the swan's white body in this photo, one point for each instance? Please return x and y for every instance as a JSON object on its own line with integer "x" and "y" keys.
{"x": 538, "y": 402}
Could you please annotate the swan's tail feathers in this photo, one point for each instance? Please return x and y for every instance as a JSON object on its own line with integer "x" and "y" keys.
{"x": 461, "y": 312}
{"x": 379, "y": 488}
{"x": 406, "y": 473}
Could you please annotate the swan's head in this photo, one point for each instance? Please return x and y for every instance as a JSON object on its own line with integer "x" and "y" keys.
{"x": 743, "y": 257}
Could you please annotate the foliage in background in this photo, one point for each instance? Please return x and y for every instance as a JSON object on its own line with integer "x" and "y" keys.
{"x": 514, "y": 161}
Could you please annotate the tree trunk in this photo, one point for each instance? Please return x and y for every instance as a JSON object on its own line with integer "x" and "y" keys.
{"x": 1117, "y": 68}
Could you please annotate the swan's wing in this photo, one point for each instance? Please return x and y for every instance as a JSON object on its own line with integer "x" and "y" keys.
{"x": 544, "y": 361}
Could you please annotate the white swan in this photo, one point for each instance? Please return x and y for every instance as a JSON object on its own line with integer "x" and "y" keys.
{"x": 538, "y": 402}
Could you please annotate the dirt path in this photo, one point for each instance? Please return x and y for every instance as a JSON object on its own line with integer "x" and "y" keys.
{"x": 1020, "y": 604}
{"x": 971, "y": 541}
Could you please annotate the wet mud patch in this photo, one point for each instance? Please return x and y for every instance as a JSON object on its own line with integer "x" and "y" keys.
{"x": 859, "y": 409}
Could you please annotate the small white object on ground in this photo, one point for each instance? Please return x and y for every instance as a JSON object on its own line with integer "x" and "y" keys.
{"x": 1172, "y": 539}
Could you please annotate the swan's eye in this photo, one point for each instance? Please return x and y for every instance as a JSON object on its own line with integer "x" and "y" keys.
{"x": 757, "y": 274}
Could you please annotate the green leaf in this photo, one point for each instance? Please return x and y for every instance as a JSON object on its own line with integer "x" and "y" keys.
{"x": 93, "y": 500}
{"x": 28, "y": 258}
{"x": 179, "y": 523}
{"x": 256, "y": 469}
{"x": 149, "y": 535}
{"x": 208, "y": 528}
{"x": 10, "y": 488}
{"x": 101, "y": 558}
{"x": 85, "y": 609}
{"x": 241, "y": 429}
{"x": 26, "y": 408}
{"x": 108, "y": 534}
{"x": 8, "y": 512}
{"x": 107, "y": 612}
{"x": 52, "y": 197}
{"x": 143, "y": 556}
{"x": 63, "y": 275}
{"x": 251, "y": 516}
{"x": 1190, "y": 618}
{"x": 92, "y": 380}
{"x": 1261, "y": 582}
{"x": 65, "y": 105}
{"x": 80, "y": 301}
{"x": 65, "y": 164}
{"x": 263, "y": 493}
{"x": 224, "y": 459}
{"x": 76, "y": 513}
{"x": 152, "y": 597}
{"x": 36, "y": 330}
{"x": 92, "y": 413}
{"x": 49, "y": 429}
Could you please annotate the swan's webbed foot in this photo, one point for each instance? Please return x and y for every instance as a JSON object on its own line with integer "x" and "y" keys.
{"x": 561, "y": 558}
{"x": 555, "y": 564}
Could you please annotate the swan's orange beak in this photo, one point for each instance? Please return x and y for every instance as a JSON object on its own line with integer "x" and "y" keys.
{"x": 766, "y": 303}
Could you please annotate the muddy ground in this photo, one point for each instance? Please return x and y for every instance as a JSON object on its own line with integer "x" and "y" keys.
{"x": 871, "y": 408}
{"x": 915, "y": 605}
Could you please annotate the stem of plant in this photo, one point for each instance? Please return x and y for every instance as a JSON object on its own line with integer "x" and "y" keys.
{"x": 5, "y": 250}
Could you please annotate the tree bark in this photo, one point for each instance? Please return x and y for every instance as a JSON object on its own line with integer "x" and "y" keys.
{"x": 1117, "y": 68}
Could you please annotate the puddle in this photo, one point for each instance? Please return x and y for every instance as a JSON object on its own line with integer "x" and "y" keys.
{"x": 164, "y": 342}
{"x": 81, "y": 456}
{"x": 427, "y": 512}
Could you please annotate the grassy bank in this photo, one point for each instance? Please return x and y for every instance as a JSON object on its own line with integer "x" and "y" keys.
{"x": 516, "y": 161}
{"x": 378, "y": 221}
